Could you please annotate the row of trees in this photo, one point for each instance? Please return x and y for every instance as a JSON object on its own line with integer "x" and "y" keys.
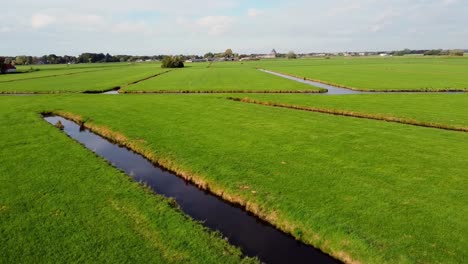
{"x": 46, "y": 59}
{"x": 86, "y": 58}
{"x": 228, "y": 54}
{"x": 438, "y": 52}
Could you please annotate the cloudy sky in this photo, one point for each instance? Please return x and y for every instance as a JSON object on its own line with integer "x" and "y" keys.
{"x": 147, "y": 27}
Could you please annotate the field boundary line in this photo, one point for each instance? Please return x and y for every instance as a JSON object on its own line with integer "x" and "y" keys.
{"x": 222, "y": 92}
{"x": 393, "y": 119}
{"x": 422, "y": 90}
{"x": 147, "y": 78}
{"x": 13, "y": 93}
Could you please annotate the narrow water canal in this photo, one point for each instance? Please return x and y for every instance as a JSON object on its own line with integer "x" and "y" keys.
{"x": 254, "y": 236}
{"x": 332, "y": 90}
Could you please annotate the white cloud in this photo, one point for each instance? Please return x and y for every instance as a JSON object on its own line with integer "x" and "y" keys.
{"x": 213, "y": 25}
{"x": 132, "y": 28}
{"x": 41, "y": 20}
{"x": 216, "y": 25}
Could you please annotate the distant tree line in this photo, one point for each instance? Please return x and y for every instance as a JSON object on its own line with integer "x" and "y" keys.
{"x": 435, "y": 52}
{"x": 227, "y": 55}
{"x": 439, "y": 52}
{"x": 86, "y": 58}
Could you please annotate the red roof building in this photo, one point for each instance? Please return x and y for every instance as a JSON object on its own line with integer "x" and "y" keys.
{"x": 8, "y": 68}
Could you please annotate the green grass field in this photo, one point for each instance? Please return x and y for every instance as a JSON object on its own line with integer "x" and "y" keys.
{"x": 49, "y": 70}
{"x": 364, "y": 190}
{"x": 360, "y": 189}
{"x": 217, "y": 78}
{"x": 439, "y": 109}
{"x": 83, "y": 79}
{"x": 60, "y": 203}
{"x": 379, "y": 74}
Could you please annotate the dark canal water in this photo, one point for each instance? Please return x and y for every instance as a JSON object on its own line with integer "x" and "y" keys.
{"x": 254, "y": 236}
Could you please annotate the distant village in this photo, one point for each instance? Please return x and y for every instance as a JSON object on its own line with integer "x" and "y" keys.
{"x": 7, "y": 63}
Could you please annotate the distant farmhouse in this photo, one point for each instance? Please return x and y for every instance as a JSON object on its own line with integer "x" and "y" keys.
{"x": 196, "y": 60}
{"x": 7, "y": 68}
{"x": 249, "y": 59}
{"x": 272, "y": 55}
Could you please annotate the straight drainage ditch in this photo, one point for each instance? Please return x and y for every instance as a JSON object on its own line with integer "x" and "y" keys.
{"x": 254, "y": 236}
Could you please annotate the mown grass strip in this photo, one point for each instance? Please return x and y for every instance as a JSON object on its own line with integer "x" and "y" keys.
{"x": 394, "y": 119}
{"x": 54, "y": 75}
{"x": 423, "y": 90}
{"x": 85, "y": 92}
{"x": 197, "y": 79}
{"x": 97, "y": 81}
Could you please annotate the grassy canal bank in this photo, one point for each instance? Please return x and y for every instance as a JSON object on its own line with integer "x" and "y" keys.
{"x": 361, "y": 190}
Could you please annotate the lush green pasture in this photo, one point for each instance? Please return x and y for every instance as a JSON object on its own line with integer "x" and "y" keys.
{"x": 49, "y": 70}
{"x": 59, "y": 203}
{"x": 388, "y": 73}
{"x": 101, "y": 79}
{"x": 444, "y": 109}
{"x": 365, "y": 190}
{"x": 218, "y": 77}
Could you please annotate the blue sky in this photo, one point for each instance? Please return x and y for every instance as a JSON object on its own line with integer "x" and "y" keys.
{"x": 146, "y": 27}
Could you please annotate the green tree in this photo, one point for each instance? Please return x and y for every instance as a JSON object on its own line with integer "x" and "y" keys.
{"x": 228, "y": 53}
{"x": 209, "y": 55}
{"x": 20, "y": 60}
{"x": 29, "y": 60}
{"x": 291, "y": 55}
{"x": 172, "y": 62}
{"x": 456, "y": 52}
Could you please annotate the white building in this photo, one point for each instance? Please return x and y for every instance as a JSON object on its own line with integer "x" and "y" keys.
{"x": 271, "y": 55}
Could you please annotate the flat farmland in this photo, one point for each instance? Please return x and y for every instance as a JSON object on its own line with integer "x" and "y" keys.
{"x": 450, "y": 110}
{"x": 379, "y": 74}
{"x": 50, "y": 70}
{"x": 219, "y": 77}
{"x": 83, "y": 79}
{"x": 366, "y": 178}
{"x": 361, "y": 190}
{"x": 65, "y": 204}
